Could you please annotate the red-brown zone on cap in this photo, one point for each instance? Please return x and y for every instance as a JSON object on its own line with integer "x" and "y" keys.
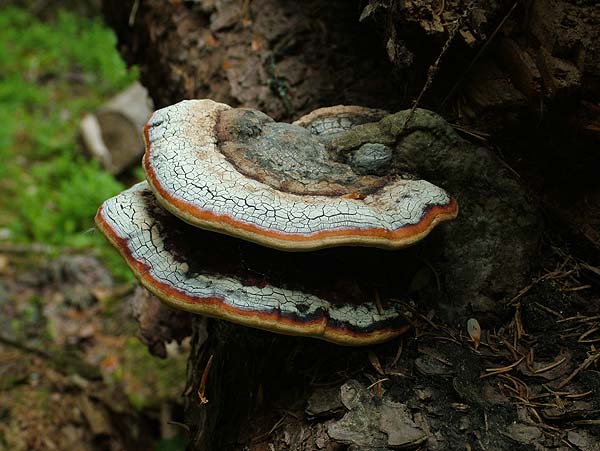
{"x": 326, "y": 274}
{"x": 397, "y": 238}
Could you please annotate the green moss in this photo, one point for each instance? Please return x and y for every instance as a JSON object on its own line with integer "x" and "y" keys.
{"x": 150, "y": 381}
{"x": 51, "y": 74}
{"x": 177, "y": 443}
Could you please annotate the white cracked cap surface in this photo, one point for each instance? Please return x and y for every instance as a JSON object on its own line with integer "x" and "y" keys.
{"x": 137, "y": 226}
{"x": 194, "y": 180}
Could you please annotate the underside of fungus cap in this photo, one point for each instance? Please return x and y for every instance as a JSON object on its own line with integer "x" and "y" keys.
{"x": 236, "y": 171}
{"x": 309, "y": 294}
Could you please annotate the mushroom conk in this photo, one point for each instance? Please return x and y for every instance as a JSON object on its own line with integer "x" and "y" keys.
{"x": 277, "y": 187}
{"x": 236, "y": 171}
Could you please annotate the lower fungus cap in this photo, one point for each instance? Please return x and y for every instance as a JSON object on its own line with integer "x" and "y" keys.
{"x": 236, "y": 171}
{"x": 219, "y": 276}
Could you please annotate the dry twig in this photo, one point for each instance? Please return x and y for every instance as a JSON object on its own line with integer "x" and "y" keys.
{"x": 202, "y": 387}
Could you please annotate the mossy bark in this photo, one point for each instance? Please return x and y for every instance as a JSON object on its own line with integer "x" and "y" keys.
{"x": 501, "y": 76}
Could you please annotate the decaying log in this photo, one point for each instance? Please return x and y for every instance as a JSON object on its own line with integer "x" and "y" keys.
{"x": 465, "y": 266}
{"x": 284, "y": 58}
{"x": 112, "y": 134}
{"x": 158, "y": 324}
{"x": 507, "y": 65}
{"x": 541, "y": 49}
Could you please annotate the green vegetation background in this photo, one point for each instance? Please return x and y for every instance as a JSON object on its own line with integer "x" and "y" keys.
{"x": 54, "y": 70}
{"x": 52, "y": 73}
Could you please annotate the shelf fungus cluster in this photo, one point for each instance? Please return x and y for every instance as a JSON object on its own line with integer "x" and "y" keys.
{"x": 229, "y": 190}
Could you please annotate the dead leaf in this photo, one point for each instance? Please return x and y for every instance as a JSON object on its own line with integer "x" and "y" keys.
{"x": 110, "y": 363}
{"x": 474, "y": 331}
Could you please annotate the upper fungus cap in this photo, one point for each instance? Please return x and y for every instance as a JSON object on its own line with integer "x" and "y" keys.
{"x": 238, "y": 172}
{"x": 331, "y": 120}
{"x": 217, "y": 275}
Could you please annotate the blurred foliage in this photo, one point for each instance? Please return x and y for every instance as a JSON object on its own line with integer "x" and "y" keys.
{"x": 52, "y": 73}
{"x": 149, "y": 381}
{"x": 55, "y": 66}
{"x": 47, "y": 9}
{"x": 177, "y": 443}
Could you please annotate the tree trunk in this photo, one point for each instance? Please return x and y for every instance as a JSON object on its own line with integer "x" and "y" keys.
{"x": 524, "y": 77}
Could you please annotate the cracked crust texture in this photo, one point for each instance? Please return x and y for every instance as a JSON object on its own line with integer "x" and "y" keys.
{"x": 142, "y": 232}
{"x": 336, "y": 119}
{"x": 194, "y": 180}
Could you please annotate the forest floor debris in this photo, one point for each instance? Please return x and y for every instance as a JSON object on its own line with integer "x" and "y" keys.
{"x": 72, "y": 374}
{"x": 533, "y": 381}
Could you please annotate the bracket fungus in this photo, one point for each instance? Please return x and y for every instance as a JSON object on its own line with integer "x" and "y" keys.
{"x": 219, "y": 276}
{"x": 269, "y": 187}
{"x": 238, "y": 172}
